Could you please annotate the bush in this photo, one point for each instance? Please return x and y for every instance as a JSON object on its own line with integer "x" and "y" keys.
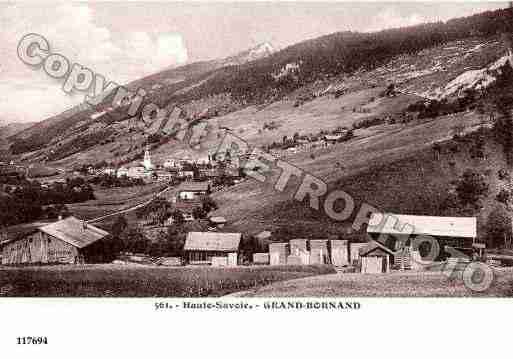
{"x": 471, "y": 187}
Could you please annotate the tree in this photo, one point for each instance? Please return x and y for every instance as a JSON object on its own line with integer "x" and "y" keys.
{"x": 178, "y": 217}
{"x": 199, "y": 213}
{"x": 118, "y": 226}
{"x": 503, "y": 196}
{"x": 175, "y": 241}
{"x": 471, "y": 187}
{"x": 498, "y": 228}
{"x": 208, "y": 204}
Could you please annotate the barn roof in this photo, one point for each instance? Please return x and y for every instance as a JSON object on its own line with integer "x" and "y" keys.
{"x": 463, "y": 227}
{"x": 212, "y": 241}
{"x": 13, "y": 233}
{"x": 193, "y": 186}
{"x": 75, "y": 232}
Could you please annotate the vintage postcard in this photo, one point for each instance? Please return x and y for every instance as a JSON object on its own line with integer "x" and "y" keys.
{"x": 215, "y": 155}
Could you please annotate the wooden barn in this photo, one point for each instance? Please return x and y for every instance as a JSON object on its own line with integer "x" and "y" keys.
{"x": 212, "y": 248}
{"x": 398, "y": 233}
{"x": 70, "y": 241}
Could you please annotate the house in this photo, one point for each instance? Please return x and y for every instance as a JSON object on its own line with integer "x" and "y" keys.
{"x": 122, "y": 171}
{"x": 332, "y": 138}
{"x": 137, "y": 172}
{"x": 212, "y": 248}
{"x": 375, "y": 258}
{"x": 190, "y": 191}
{"x": 164, "y": 175}
{"x": 172, "y": 165}
{"x": 399, "y": 232}
{"x": 217, "y": 222}
{"x": 186, "y": 174}
{"x": 109, "y": 171}
{"x": 69, "y": 241}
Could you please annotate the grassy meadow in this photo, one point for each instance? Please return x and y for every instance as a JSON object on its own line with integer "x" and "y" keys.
{"x": 140, "y": 281}
{"x": 396, "y": 284}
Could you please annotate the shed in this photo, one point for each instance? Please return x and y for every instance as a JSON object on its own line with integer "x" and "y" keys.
{"x": 202, "y": 247}
{"x": 375, "y": 258}
{"x": 66, "y": 241}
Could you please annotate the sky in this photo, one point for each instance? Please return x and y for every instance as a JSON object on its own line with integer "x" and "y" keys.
{"x": 124, "y": 41}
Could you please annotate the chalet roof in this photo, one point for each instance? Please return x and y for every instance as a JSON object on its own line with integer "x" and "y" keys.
{"x": 462, "y": 227}
{"x": 212, "y": 241}
{"x": 75, "y": 232}
{"x": 193, "y": 186}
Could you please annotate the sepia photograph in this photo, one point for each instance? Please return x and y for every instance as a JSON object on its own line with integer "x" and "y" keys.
{"x": 256, "y": 150}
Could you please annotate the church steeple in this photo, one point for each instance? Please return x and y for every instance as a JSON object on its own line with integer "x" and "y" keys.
{"x": 147, "y": 159}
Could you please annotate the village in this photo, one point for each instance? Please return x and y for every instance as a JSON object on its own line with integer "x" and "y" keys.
{"x": 384, "y": 248}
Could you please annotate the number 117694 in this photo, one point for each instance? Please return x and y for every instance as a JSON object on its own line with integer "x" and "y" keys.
{"x": 31, "y": 340}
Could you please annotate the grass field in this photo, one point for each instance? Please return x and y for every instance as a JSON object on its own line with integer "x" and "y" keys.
{"x": 138, "y": 281}
{"x": 407, "y": 284}
{"x": 109, "y": 200}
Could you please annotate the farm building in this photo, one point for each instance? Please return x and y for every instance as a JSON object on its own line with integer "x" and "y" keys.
{"x": 66, "y": 241}
{"x": 375, "y": 258}
{"x": 212, "y": 248}
{"x": 399, "y": 232}
{"x": 189, "y": 191}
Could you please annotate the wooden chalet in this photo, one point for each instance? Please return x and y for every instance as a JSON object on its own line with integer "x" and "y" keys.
{"x": 70, "y": 241}
{"x": 398, "y": 232}
{"x": 212, "y": 248}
